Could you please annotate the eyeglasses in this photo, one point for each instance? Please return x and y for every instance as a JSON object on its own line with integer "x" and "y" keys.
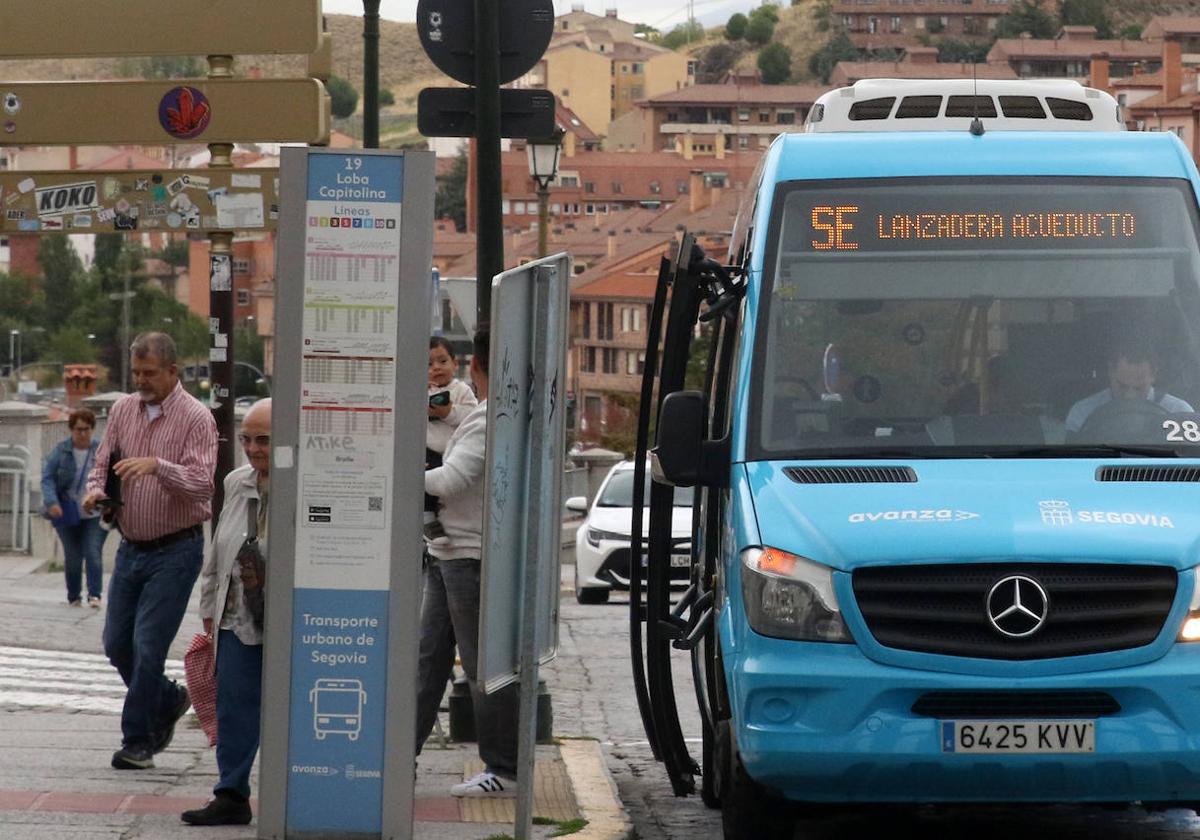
{"x": 260, "y": 440}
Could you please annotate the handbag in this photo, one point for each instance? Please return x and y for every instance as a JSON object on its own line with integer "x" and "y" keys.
{"x": 70, "y": 508}
{"x": 252, "y": 567}
{"x": 200, "y": 673}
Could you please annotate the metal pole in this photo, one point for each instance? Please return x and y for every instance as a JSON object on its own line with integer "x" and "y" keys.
{"x": 543, "y": 195}
{"x": 539, "y": 437}
{"x": 370, "y": 74}
{"x": 220, "y": 315}
{"x": 489, "y": 227}
{"x": 126, "y": 270}
{"x": 18, "y": 374}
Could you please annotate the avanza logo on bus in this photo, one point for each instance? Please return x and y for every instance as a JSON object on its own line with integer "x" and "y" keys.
{"x": 67, "y": 198}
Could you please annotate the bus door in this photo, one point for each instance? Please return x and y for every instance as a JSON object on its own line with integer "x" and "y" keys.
{"x": 686, "y": 285}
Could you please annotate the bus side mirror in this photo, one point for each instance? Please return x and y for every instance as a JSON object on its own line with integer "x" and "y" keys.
{"x": 683, "y": 458}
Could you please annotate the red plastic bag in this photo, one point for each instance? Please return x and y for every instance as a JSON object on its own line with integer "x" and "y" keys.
{"x": 200, "y": 672}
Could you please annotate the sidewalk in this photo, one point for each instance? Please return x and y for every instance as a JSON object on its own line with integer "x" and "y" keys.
{"x": 56, "y": 781}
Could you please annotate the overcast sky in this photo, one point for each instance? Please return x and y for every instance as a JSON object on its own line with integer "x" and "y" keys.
{"x": 657, "y": 13}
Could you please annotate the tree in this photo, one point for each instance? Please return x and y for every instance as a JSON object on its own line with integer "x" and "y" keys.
{"x": 386, "y": 97}
{"x": 62, "y": 271}
{"x": 735, "y": 28}
{"x": 176, "y": 253}
{"x": 344, "y": 96}
{"x": 760, "y": 29}
{"x": 954, "y": 51}
{"x": 451, "y": 198}
{"x": 683, "y": 34}
{"x": 1085, "y": 13}
{"x": 108, "y": 251}
{"x": 838, "y": 48}
{"x": 775, "y": 64}
{"x": 71, "y": 345}
{"x": 767, "y": 10}
{"x": 1026, "y": 16}
{"x": 715, "y": 62}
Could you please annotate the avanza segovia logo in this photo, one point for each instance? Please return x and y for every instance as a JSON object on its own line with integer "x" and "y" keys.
{"x": 927, "y": 515}
{"x": 1058, "y": 512}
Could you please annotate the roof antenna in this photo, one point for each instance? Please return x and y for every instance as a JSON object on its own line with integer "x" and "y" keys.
{"x": 976, "y": 123}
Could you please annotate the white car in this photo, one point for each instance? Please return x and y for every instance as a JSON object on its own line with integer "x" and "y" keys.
{"x": 602, "y": 543}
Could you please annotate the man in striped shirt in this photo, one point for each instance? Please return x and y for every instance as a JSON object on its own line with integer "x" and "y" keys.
{"x": 162, "y": 444}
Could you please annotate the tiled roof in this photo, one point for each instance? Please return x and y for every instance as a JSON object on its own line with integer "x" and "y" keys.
{"x": 749, "y": 95}
{"x": 1006, "y": 49}
{"x": 636, "y": 172}
{"x": 570, "y": 121}
{"x": 851, "y": 71}
{"x": 629, "y": 286}
{"x": 1158, "y": 101}
{"x": 128, "y": 159}
{"x": 1171, "y": 25}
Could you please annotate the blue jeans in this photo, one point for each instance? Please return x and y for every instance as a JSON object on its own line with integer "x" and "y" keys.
{"x": 147, "y": 598}
{"x": 239, "y": 700}
{"x": 450, "y": 615}
{"x": 82, "y": 546}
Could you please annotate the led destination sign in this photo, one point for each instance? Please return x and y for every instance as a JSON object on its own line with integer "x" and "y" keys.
{"x": 845, "y": 228}
{"x": 985, "y": 216}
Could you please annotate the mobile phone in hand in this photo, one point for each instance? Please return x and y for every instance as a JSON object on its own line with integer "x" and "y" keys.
{"x": 441, "y": 398}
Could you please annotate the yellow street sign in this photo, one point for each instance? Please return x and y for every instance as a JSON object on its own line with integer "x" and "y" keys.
{"x": 93, "y": 28}
{"x": 184, "y": 200}
{"x": 161, "y": 112}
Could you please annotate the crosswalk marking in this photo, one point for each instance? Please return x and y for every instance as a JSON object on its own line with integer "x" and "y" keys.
{"x": 45, "y": 680}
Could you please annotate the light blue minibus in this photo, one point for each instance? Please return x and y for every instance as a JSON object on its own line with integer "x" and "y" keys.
{"x": 948, "y": 455}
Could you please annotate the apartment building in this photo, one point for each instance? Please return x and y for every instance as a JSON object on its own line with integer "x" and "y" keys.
{"x": 1069, "y": 54}
{"x": 900, "y": 24}
{"x": 713, "y": 121}
{"x": 600, "y": 71}
{"x": 591, "y": 186}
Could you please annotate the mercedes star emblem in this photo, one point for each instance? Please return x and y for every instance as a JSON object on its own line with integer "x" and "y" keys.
{"x": 1017, "y": 606}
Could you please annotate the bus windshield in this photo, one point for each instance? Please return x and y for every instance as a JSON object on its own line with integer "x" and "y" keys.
{"x": 953, "y": 317}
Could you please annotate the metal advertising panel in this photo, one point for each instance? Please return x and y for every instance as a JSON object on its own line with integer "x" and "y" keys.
{"x": 163, "y": 112}
{"x": 349, "y": 424}
{"x": 525, "y": 446}
{"x": 160, "y": 27}
{"x": 165, "y": 199}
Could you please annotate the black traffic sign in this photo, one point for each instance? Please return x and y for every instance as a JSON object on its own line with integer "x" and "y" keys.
{"x": 447, "y": 30}
{"x": 450, "y": 112}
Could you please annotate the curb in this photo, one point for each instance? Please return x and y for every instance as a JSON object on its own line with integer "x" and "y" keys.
{"x": 595, "y": 792}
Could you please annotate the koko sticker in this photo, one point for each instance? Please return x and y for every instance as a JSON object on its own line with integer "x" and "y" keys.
{"x": 67, "y": 198}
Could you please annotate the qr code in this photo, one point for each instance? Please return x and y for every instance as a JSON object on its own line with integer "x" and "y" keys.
{"x": 374, "y": 503}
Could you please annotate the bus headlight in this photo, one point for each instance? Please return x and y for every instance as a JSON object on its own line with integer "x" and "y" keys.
{"x": 1190, "y": 631}
{"x": 790, "y": 597}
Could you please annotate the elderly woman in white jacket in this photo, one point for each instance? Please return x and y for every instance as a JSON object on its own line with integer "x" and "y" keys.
{"x": 238, "y": 636}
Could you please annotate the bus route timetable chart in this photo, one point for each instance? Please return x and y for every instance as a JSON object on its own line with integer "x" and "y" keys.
{"x": 348, "y": 371}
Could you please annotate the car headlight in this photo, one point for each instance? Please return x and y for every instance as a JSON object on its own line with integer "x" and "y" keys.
{"x": 1190, "y": 631}
{"x": 595, "y": 535}
{"x": 791, "y": 597}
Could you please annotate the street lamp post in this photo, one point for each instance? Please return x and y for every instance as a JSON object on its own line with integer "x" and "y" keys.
{"x": 543, "y": 167}
{"x": 14, "y": 358}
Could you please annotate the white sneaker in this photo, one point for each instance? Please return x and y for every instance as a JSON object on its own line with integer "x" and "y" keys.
{"x": 486, "y": 785}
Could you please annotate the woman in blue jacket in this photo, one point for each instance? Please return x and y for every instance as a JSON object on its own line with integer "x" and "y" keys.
{"x": 64, "y": 484}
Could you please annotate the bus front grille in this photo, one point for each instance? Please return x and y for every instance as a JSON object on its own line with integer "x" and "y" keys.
{"x": 945, "y": 609}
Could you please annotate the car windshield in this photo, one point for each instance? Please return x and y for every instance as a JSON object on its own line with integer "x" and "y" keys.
{"x": 979, "y": 318}
{"x": 618, "y": 492}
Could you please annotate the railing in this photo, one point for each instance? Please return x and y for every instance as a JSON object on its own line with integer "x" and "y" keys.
{"x": 14, "y": 498}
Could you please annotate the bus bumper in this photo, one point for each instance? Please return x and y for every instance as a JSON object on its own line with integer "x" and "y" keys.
{"x": 823, "y": 723}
